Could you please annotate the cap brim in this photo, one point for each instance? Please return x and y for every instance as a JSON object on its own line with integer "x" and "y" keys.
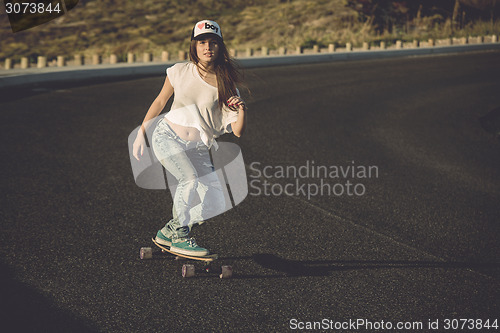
{"x": 207, "y": 35}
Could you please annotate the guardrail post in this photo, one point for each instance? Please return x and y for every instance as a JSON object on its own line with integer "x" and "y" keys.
{"x": 415, "y": 43}
{"x": 331, "y": 48}
{"x": 431, "y": 42}
{"x": 78, "y": 60}
{"x": 8, "y": 63}
{"x": 299, "y": 50}
{"x": 366, "y": 46}
{"x": 264, "y": 51}
{"x": 382, "y": 45}
{"x": 494, "y": 38}
{"x": 41, "y": 62}
{"x": 146, "y": 57}
{"x": 315, "y": 49}
{"x": 61, "y": 62}
{"x": 181, "y": 55}
{"x": 165, "y": 56}
{"x": 399, "y": 44}
{"x": 249, "y": 52}
{"x": 232, "y": 52}
{"x": 130, "y": 58}
{"x": 25, "y": 63}
{"x": 282, "y": 51}
{"x": 113, "y": 59}
{"x": 96, "y": 59}
{"x": 476, "y": 40}
{"x": 348, "y": 47}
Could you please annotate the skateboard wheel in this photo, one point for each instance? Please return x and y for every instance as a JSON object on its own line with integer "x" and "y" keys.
{"x": 187, "y": 270}
{"x": 227, "y": 272}
{"x": 146, "y": 253}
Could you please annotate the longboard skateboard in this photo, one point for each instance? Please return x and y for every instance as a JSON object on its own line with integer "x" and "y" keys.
{"x": 187, "y": 269}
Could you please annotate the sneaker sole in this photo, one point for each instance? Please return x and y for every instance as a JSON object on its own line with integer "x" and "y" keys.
{"x": 163, "y": 241}
{"x": 189, "y": 253}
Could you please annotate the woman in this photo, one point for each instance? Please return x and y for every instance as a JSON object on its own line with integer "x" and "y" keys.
{"x": 206, "y": 104}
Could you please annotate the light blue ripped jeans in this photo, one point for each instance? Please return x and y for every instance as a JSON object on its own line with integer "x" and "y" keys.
{"x": 196, "y": 190}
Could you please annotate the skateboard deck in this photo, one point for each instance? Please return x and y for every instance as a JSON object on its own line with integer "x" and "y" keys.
{"x": 164, "y": 248}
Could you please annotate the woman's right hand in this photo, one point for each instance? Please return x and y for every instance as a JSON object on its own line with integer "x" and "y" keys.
{"x": 139, "y": 145}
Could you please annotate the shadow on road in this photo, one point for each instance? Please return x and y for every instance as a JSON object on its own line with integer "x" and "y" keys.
{"x": 24, "y": 309}
{"x": 490, "y": 122}
{"x": 324, "y": 267}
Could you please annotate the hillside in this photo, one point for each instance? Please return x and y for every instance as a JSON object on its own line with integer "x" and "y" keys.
{"x": 121, "y": 26}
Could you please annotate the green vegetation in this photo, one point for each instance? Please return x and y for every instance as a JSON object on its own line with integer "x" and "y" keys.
{"x": 121, "y": 26}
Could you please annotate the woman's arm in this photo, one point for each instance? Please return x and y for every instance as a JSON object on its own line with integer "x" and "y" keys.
{"x": 235, "y": 103}
{"x": 239, "y": 125}
{"x": 154, "y": 110}
{"x": 158, "y": 104}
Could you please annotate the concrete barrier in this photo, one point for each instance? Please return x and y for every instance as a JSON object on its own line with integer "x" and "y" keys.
{"x": 475, "y": 40}
{"x": 165, "y": 56}
{"x": 79, "y": 60}
{"x": 96, "y": 59}
{"x": 182, "y": 55}
{"x": 130, "y": 58}
{"x": 25, "y": 63}
{"x": 61, "y": 61}
{"x": 8, "y": 63}
{"x": 41, "y": 62}
{"x": 14, "y": 76}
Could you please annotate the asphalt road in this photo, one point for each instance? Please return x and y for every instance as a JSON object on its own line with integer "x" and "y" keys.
{"x": 417, "y": 242}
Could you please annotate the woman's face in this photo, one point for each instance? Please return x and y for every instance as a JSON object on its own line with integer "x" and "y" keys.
{"x": 207, "y": 50}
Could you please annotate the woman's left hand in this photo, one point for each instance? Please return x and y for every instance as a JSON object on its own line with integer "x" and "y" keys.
{"x": 235, "y": 103}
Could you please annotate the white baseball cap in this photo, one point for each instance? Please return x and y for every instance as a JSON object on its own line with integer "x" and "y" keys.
{"x": 206, "y": 27}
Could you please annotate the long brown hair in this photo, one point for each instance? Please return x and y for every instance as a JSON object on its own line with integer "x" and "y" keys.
{"x": 226, "y": 70}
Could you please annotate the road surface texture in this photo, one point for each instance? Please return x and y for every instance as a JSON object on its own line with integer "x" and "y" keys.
{"x": 412, "y": 236}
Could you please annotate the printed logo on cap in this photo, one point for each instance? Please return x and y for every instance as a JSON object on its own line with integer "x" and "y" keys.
{"x": 204, "y": 27}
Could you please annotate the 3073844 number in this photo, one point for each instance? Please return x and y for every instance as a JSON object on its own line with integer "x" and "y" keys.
{"x": 470, "y": 324}
{"x": 31, "y": 8}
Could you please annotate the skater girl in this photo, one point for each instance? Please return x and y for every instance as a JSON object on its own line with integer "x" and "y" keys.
{"x": 206, "y": 105}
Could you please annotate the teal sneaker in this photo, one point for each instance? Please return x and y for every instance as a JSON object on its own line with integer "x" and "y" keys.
{"x": 162, "y": 239}
{"x": 189, "y": 247}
